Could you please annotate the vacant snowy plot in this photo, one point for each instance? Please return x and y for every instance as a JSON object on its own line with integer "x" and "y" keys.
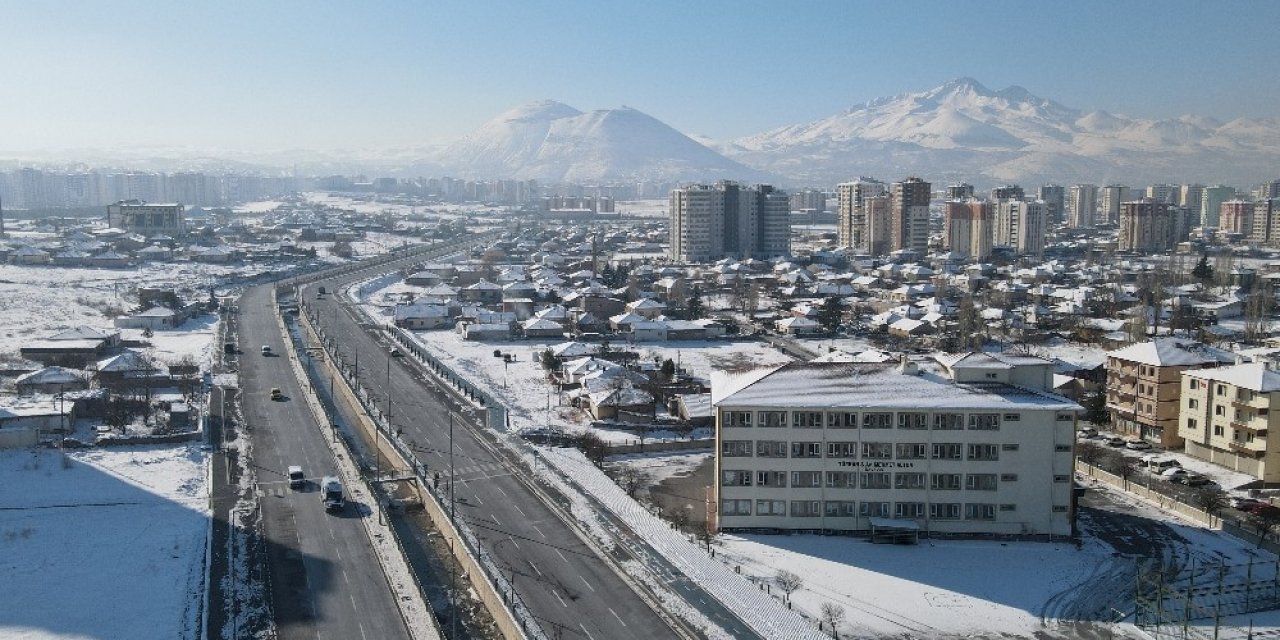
{"x": 104, "y": 543}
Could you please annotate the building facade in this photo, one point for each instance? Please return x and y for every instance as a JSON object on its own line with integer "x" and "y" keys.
{"x": 1110, "y": 199}
{"x": 1211, "y": 200}
{"x": 909, "y": 205}
{"x": 851, "y": 215}
{"x": 967, "y": 228}
{"x": 1020, "y": 225}
{"x": 711, "y": 222}
{"x": 1236, "y": 216}
{"x": 1146, "y": 226}
{"x": 147, "y": 219}
{"x": 1227, "y": 415}
{"x": 1083, "y": 205}
{"x": 1144, "y": 385}
{"x": 1055, "y": 202}
{"x": 981, "y": 449}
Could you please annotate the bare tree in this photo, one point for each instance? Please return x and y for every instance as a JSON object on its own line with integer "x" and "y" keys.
{"x": 789, "y": 582}
{"x": 630, "y": 479}
{"x": 1211, "y": 501}
{"x": 833, "y": 615}
{"x": 679, "y": 518}
{"x": 1257, "y": 312}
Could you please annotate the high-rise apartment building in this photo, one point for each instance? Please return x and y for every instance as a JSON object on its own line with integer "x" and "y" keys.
{"x": 1236, "y": 216}
{"x": 1146, "y": 226}
{"x": 1055, "y": 201}
{"x": 1267, "y": 190}
{"x": 1082, "y": 205}
{"x": 967, "y": 227}
{"x": 808, "y": 200}
{"x": 959, "y": 191}
{"x": 1191, "y": 196}
{"x": 1008, "y": 192}
{"x": 1109, "y": 207}
{"x": 1019, "y": 224}
{"x": 1166, "y": 193}
{"x": 1211, "y": 202}
{"x": 1144, "y": 384}
{"x": 909, "y": 204}
{"x": 879, "y": 224}
{"x": 709, "y": 222}
{"x": 851, "y": 218}
{"x": 1266, "y": 222}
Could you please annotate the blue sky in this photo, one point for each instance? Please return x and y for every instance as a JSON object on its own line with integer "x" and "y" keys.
{"x": 323, "y": 75}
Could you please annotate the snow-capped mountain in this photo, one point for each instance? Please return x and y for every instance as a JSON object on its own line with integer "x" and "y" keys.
{"x": 965, "y": 131}
{"x": 553, "y": 142}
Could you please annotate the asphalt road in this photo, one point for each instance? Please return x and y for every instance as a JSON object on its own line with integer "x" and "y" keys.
{"x": 572, "y": 592}
{"x": 325, "y": 579}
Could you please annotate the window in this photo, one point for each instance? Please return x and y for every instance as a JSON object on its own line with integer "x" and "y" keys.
{"x": 771, "y": 448}
{"x": 1195, "y": 384}
{"x": 1218, "y": 431}
{"x": 1009, "y": 447}
{"x": 1059, "y": 508}
{"x": 984, "y": 421}
{"x": 908, "y": 481}
{"x": 842, "y": 479}
{"x": 944, "y": 481}
{"x": 945, "y": 510}
{"x": 735, "y": 507}
{"x": 877, "y": 450}
{"x": 1062, "y": 479}
{"x": 1012, "y": 417}
{"x": 984, "y": 452}
{"x": 840, "y": 508}
{"x": 980, "y": 482}
{"x": 842, "y": 449}
{"x": 1222, "y": 389}
{"x": 771, "y": 478}
{"x": 842, "y": 420}
{"x": 1008, "y": 477}
{"x": 1219, "y": 410}
{"x": 807, "y": 419}
{"x": 979, "y": 511}
{"x": 736, "y": 419}
{"x": 735, "y": 478}
{"x": 873, "y": 509}
{"x": 735, "y": 448}
{"x": 1193, "y": 403}
{"x": 948, "y": 421}
{"x": 773, "y": 418}
{"x": 912, "y": 450}
{"x": 877, "y": 420}
{"x": 946, "y": 451}
{"x": 806, "y": 449}
{"x": 908, "y": 509}
{"x": 1066, "y": 417}
{"x": 1008, "y": 507}
{"x": 805, "y": 509}
{"x": 992, "y": 376}
{"x": 913, "y": 421}
{"x": 806, "y": 479}
{"x": 876, "y": 479}
{"x": 771, "y": 507}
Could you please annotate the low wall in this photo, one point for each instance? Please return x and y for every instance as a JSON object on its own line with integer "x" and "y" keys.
{"x": 19, "y": 438}
{"x": 171, "y": 438}
{"x": 634, "y": 446}
{"x": 1133, "y": 486}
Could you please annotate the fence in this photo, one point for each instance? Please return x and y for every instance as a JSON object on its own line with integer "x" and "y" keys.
{"x": 1133, "y": 486}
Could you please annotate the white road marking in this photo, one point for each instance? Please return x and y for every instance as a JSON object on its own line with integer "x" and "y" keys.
{"x": 562, "y": 602}
{"x": 495, "y": 520}
{"x": 520, "y": 510}
{"x": 504, "y": 493}
{"x": 513, "y": 541}
{"x": 561, "y": 556}
{"x": 615, "y": 614}
{"x": 584, "y": 581}
{"x": 584, "y": 630}
{"x": 535, "y": 567}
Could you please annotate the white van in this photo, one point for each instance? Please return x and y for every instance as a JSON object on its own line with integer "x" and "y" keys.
{"x": 1159, "y": 465}
{"x": 331, "y": 494}
{"x": 297, "y": 479}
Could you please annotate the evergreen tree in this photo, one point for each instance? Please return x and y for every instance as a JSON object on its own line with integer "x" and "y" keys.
{"x": 695, "y": 307}
{"x": 831, "y": 313}
{"x": 668, "y": 369}
{"x": 1203, "y": 271}
{"x": 1095, "y": 408}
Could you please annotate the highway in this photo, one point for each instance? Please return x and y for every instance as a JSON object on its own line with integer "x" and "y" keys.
{"x": 570, "y": 590}
{"x": 325, "y": 579}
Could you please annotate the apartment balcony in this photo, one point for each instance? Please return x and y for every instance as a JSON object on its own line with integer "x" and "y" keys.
{"x": 1251, "y": 449}
{"x": 1258, "y": 432}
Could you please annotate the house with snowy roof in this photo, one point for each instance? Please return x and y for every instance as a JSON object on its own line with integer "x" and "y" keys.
{"x": 1144, "y": 385}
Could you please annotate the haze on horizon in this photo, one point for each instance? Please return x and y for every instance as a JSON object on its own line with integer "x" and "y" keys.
{"x": 292, "y": 75}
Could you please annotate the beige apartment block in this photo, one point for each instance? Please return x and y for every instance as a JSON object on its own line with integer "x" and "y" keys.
{"x": 1144, "y": 384}
{"x": 1227, "y": 414}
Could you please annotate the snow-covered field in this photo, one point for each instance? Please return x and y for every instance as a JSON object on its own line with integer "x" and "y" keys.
{"x": 108, "y": 543}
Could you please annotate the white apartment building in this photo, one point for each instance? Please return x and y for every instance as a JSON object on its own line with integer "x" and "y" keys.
{"x": 1020, "y": 224}
{"x": 980, "y": 448}
{"x": 1082, "y": 205}
{"x": 851, "y": 215}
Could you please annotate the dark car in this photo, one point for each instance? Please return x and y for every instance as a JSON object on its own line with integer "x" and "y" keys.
{"x": 1265, "y": 510}
{"x": 1115, "y": 442}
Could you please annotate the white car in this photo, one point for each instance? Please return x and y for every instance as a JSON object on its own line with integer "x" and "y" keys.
{"x": 1173, "y": 472}
{"x": 1137, "y": 445}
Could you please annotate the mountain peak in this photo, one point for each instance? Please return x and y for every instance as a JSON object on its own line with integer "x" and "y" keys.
{"x": 541, "y": 110}
{"x": 962, "y": 84}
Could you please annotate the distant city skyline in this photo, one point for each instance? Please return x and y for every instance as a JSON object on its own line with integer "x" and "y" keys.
{"x": 286, "y": 75}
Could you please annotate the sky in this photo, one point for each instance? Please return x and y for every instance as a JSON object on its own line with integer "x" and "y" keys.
{"x": 261, "y": 76}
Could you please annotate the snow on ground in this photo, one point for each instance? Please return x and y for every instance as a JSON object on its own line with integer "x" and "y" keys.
{"x": 643, "y": 208}
{"x": 661, "y": 466}
{"x": 108, "y": 544}
{"x": 258, "y": 207}
{"x": 69, "y": 297}
{"x": 193, "y": 339}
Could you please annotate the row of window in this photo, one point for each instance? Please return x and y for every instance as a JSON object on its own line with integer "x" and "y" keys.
{"x": 869, "y": 420}
{"x": 851, "y": 509}
{"x": 870, "y": 450}
{"x": 870, "y": 480}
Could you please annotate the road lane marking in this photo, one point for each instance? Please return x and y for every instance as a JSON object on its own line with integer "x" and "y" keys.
{"x": 513, "y": 541}
{"x": 584, "y": 581}
{"x": 500, "y": 490}
{"x": 584, "y": 630}
{"x": 562, "y": 602}
{"x": 615, "y": 614}
{"x": 562, "y": 556}
{"x": 495, "y": 520}
{"x": 520, "y": 510}
{"x": 535, "y": 568}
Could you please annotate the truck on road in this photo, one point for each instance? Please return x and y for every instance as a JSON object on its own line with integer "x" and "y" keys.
{"x": 331, "y": 494}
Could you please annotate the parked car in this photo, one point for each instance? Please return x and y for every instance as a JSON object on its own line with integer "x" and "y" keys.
{"x": 1193, "y": 480}
{"x": 1242, "y": 503}
{"x": 1173, "y": 472}
{"x": 1137, "y": 445}
{"x": 1265, "y": 510}
{"x": 1115, "y": 442}
{"x": 1158, "y": 464}
{"x": 1088, "y": 432}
